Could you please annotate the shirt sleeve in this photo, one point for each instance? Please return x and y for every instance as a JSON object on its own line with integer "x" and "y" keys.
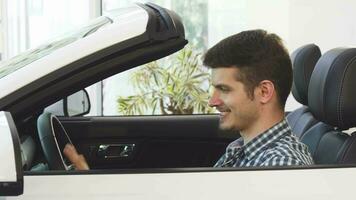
{"x": 281, "y": 161}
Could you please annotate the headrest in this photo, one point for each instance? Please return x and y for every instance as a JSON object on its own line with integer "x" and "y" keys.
{"x": 332, "y": 88}
{"x": 303, "y": 61}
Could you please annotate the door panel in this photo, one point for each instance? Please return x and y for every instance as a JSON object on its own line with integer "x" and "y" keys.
{"x": 149, "y": 141}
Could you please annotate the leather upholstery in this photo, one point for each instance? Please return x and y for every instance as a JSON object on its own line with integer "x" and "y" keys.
{"x": 301, "y": 120}
{"x": 332, "y": 101}
{"x": 331, "y": 95}
{"x": 325, "y": 154}
{"x": 294, "y": 116}
{"x": 313, "y": 136}
{"x": 348, "y": 155}
{"x": 303, "y": 62}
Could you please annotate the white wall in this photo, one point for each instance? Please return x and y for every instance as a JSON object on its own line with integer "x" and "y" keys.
{"x": 15, "y": 27}
{"x": 229, "y": 17}
{"x": 327, "y": 23}
{"x": 48, "y": 19}
{"x": 271, "y": 15}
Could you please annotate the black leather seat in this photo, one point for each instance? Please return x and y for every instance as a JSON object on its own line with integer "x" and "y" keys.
{"x": 304, "y": 60}
{"x": 332, "y": 100}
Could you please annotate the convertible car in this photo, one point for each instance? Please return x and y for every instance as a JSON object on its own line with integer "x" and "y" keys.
{"x": 155, "y": 157}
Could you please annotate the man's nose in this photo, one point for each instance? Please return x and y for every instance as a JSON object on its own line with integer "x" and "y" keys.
{"x": 214, "y": 100}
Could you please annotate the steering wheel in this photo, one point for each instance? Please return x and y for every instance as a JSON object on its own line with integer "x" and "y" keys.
{"x": 53, "y": 138}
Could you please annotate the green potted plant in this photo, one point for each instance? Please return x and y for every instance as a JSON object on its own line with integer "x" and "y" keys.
{"x": 179, "y": 85}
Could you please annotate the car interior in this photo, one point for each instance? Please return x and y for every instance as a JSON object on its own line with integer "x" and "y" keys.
{"x": 326, "y": 103}
{"x": 322, "y": 83}
{"x": 331, "y": 101}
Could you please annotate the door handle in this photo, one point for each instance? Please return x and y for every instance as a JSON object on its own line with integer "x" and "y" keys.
{"x": 109, "y": 151}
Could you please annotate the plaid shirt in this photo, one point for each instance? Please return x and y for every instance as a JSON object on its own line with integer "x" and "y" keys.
{"x": 277, "y": 146}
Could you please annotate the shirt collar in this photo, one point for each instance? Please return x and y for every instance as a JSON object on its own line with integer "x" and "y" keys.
{"x": 258, "y": 144}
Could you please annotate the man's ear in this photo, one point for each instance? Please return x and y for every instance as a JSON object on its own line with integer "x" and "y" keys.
{"x": 266, "y": 91}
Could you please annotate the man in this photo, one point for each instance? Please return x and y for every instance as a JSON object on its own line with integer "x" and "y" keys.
{"x": 252, "y": 78}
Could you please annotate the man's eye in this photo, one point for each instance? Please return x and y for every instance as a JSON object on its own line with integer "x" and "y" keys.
{"x": 224, "y": 89}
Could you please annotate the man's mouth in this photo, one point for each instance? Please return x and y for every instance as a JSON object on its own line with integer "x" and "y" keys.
{"x": 224, "y": 113}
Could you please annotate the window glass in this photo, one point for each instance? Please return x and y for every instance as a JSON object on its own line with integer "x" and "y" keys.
{"x": 49, "y": 18}
{"x": 30, "y": 56}
{"x": 1, "y": 33}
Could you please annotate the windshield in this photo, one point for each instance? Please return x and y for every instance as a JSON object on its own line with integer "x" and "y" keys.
{"x": 23, "y": 59}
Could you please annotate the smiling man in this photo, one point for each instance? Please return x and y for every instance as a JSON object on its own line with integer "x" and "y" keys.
{"x": 252, "y": 78}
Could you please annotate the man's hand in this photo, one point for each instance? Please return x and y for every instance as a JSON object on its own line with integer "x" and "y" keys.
{"x": 76, "y": 159}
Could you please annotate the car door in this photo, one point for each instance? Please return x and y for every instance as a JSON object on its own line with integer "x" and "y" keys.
{"x": 149, "y": 141}
{"x": 188, "y": 183}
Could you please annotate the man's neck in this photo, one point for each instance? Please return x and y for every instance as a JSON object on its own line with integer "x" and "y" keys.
{"x": 260, "y": 126}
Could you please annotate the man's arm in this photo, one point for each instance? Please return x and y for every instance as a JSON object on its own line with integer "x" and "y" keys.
{"x": 76, "y": 159}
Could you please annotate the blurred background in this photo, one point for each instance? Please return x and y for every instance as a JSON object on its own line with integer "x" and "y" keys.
{"x": 25, "y": 24}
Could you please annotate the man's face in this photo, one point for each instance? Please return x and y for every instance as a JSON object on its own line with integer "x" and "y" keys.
{"x": 229, "y": 97}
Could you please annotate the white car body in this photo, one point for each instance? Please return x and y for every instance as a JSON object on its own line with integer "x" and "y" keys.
{"x": 297, "y": 183}
{"x": 316, "y": 184}
{"x": 8, "y": 171}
